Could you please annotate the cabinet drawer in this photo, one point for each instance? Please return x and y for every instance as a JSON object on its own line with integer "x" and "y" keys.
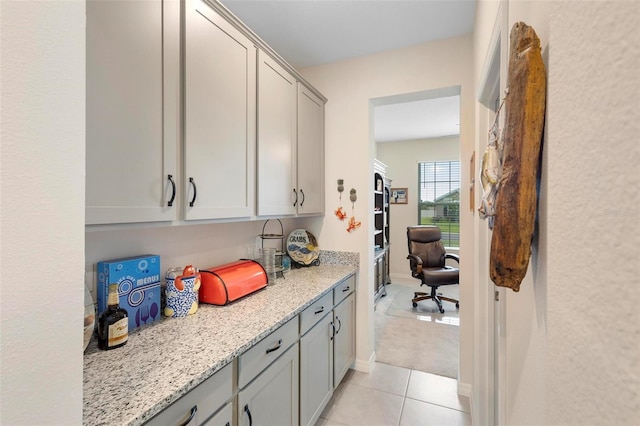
{"x": 202, "y": 401}
{"x": 344, "y": 289}
{"x": 314, "y": 313}
{"x": 263, "y": 353}
{"x": 224, "y": 417}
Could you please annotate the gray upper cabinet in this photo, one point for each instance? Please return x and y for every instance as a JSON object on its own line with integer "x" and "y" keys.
{"x": 290, "y": 143}
{"x": 277, "y": 90}
{"x": 132, "y": 114}
{"x": 310, "y": 152}
{"x": 219, "y": 117}
{"x": 190, "y": 116}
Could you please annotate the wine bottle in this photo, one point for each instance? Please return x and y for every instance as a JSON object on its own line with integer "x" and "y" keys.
{"x": 113, "y": 323}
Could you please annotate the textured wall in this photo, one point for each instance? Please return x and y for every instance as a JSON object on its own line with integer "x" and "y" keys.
{"x": 593, "y": 347}
{"x": 42, "y": 239}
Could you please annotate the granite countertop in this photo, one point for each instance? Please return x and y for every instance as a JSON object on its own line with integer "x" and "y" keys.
{"x": 163, "y": 361}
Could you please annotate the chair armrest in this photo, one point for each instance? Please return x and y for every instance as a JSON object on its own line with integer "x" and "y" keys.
{"x": 417, "y": 261}
{"x": 452, "y": 256}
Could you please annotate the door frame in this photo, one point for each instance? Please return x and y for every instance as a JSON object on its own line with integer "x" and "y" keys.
{"x": 491, "y": 300}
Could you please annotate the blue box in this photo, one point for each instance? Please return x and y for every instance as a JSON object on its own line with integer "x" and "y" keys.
{"x": 138, "y": 280}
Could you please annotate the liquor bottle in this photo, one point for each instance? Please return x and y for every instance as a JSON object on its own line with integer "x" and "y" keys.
{"x": 113, "y": 323}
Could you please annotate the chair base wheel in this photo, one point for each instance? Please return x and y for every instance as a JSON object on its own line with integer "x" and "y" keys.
{"x": 457, "y": 305}
{"x": 415, "y": 305}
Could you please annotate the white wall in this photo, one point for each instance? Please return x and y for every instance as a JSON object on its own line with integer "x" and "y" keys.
{"x": 593, "y": 261}
{"x": 42, "y": 215}
{"x": 402, "y": 158}
{"x": 202, "y": 245}
{"x": 571, "y": 344}
{"x": 350, "y": 86}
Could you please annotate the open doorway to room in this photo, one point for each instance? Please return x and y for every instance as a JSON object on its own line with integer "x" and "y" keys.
{"x": 417, "y": 138}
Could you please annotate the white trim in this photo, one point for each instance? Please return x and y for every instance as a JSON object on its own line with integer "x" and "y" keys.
{"x": 464, "y": 389}
{"x": 365, "y": 366}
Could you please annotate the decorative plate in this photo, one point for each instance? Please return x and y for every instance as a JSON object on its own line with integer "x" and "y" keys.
{"x": 302, "y": 247}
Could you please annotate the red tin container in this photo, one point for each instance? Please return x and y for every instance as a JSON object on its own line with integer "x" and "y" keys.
{"x": 227, "y": 283}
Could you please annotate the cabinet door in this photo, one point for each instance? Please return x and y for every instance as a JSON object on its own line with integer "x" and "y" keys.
{"x": 344, "y": 344}
{"x": 316, "y": 370}
{"x": 310, "y": 152}
{"x": 277, "y": 191}
{"x": 219, "y": 116}
{"x": 272, "y": 398}
{"x": 132, "y": 62}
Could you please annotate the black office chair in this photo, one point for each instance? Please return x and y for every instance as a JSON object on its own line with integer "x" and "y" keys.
{"x": 427, "y": 259}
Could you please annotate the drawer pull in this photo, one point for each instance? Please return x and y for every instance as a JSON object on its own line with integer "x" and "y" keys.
{"x": 339, "y": 325}
{"x": 246, "y": 410}
{"x": 319, "y": 310}
{"x": 272, "y": 350}
{"x": 347, "y": 288}
{"x": 194, "y": 410}
{"x": 333, "y": 330}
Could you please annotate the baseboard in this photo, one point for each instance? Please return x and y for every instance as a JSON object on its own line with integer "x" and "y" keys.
{"x": 401, "y": 277}
{"x": 365, "y": 366}
{"x": 464, "y": 389}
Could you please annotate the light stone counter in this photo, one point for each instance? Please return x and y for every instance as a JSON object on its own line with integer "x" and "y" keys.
{"x": 163, "y": 361}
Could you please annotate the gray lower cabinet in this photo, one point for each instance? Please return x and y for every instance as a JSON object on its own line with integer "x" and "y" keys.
{"x": 197, "y": 406}
{"x": 286, "y": 379}
{"x": 344, "y": 346}
{"x": 272, "y": 398}
{"x": 316, "y": 369}
{"x": 224, "y": 417}
{"x": 327, "y": 348}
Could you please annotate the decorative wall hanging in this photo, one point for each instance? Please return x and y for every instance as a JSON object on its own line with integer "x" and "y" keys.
{"x": 491, "y": 170}
{"x": 516, "y": 199}
{"x": 353, "y": 224}
{"x": 340, "y": 214}
{"x": 399, "y": 196}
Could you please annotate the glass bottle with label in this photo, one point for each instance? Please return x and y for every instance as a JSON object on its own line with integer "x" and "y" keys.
{"x": 113, "y": 323}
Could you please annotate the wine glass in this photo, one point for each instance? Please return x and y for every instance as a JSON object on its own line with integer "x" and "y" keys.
{"x": 144, "y": 313}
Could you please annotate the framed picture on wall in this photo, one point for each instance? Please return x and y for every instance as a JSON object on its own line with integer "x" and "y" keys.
{"x": 399, "y": 196}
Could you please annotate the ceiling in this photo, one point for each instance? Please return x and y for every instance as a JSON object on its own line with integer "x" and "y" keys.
{"x": 314, "y": 32}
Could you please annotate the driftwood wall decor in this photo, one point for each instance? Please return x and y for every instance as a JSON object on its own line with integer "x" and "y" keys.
{"x": 516, "y": 201}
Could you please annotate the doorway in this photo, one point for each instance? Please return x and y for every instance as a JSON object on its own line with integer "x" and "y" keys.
{"x": 402, "y": 141}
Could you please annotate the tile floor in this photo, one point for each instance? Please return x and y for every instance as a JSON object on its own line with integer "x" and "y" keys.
{"x": 395, "y": 396}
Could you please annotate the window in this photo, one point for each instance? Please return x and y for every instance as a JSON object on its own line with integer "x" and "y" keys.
{"x": 439, "y": 203}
